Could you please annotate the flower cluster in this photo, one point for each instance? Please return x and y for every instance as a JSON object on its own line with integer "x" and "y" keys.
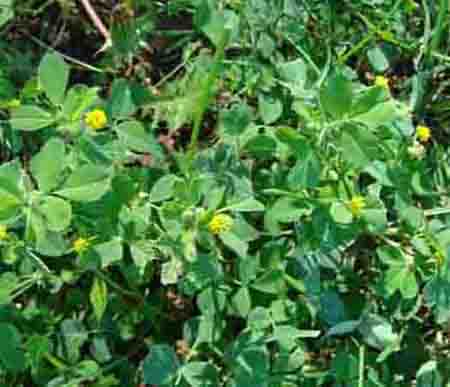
{"x": 356, "y": 205}
{"x": 220, "y": 223}
{"x": 96, "y": 119}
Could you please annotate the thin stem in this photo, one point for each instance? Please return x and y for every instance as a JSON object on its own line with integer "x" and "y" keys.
{"x": 98, "y": 24}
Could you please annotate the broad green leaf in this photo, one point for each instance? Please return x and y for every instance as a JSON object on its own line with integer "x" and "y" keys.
{"x": 247, "y": 205}
{"x": 30, "y": 117}
{"x": 336, "y": 96}
{"x": 270, "y": 109}
{"x": 53, "y": 77}
{"x": 10, "y": 205}
{"x": 401, "y": 273}
{"x": 437, "y": 296}
{"x": 160, "y": 366}
{"x": 163, "y": 188}
{"x": 12, "y": 357}
{"x": 37, "y": 347}
{"x": 234, "y": 121}
{"x": 340, "y": 213}
{"x": 241, "y": 302}
{"x": 200, "y": 374}
{"x": 99, "y": 297}
{"x": 259, "y": 318}
{"x": 261, "y": 146}
{"x": 170, "y": 272}
{"x": 85, "y": 184}
{"x": 47, "y": 166}
{"x": 6, "y": 11}
{"x": 8, "y": 283}
{"x": 286, "y": 335}
{"x": 109, "y": 252}
{"x": 79, "y": 98}
{"x": 382, "y": 114}
{"x": 295, "y": 75}
{"x": 235, "y": 243}
{"x": 359, "y": 147}
{"x": 74, "y": 335}
{"x": 57, "y": 212}
{"x": 121, "y": 103}
{"x": 377, "y": 332}
{"x": 272, "y": 283}
{"x": 305, "y": 173}
{"x": 378, "y": 59}
{"x": 134, "y": 136}
{"x": 428, "y": 375}
{"x": 50, "y": 243}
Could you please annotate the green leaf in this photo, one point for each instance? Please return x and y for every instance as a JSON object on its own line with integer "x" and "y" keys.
{"x": 359, "y": 147}
{"x": 109, "y": 252}
{"x": 271, "y": 283}
{"x": 163, "y": 188}
{"x": 200, "y": 374}
{"x": 235, "y": 243}
{"x": 56, "y": 211}
{"x": 428, "y": 375}
{"x": 53, "y": 77}
{"x": 74, "y": 335}
{"x": 6, "y": 11}
{"x": 340, "y": 213}
{"x": 121, "y": 103}
{"x": 377, "y": 332}
{"x": 336, "y": 96}
{"x": 259, "y": 318}
{"x": 401, "y": 273}
{"x": 305, "y": 173}
{"x": 161, "y": 365}
{"x": 261, "y": 146}
{"x": 382, "y": 114}
{"x": 247, "y": 205}
{"x": 377, "y": 59}
{"x": 134, "y": 136}
{"x": 241, "y": 302}
{"x": 8, "y": 283}
{"x": 269, "y": 108}
{"x": 99, "y": 297}
{"x": 47, "y": 166}
{"x": 79, "y": 98}
{"x": 295, "y": 75}
{"x": 30, "y": 117}
{"x": 437, "y": 296}
{"x": 12, "y": 357}
{"x": 234, "y": 121}
{"x": 86, "y": 184}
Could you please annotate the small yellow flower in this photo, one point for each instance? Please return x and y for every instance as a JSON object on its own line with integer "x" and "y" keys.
{"x": 423, "y": 133}
{"x": 96, "y": 119}
{"x": 3, "y": 232}
{"x": 381, "y": 81}
{"x": 356, "y": 205}
{"x": 80, "y": 245}
{"x": 220, "y": 223}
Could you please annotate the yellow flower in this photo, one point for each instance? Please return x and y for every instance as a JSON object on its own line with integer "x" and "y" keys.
{"x": 80, "y": 245}
{"x": 3, "y": 232}
{"x": 220, "y": 223}
{"x": 96, "y": 119}
{"x": 381, "y": 81}
{"x": 423, "y": 133}
{"x": 356, "y": 205}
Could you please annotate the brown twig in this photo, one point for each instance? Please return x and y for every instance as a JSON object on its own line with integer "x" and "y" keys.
{"x": 98, "y": 24}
